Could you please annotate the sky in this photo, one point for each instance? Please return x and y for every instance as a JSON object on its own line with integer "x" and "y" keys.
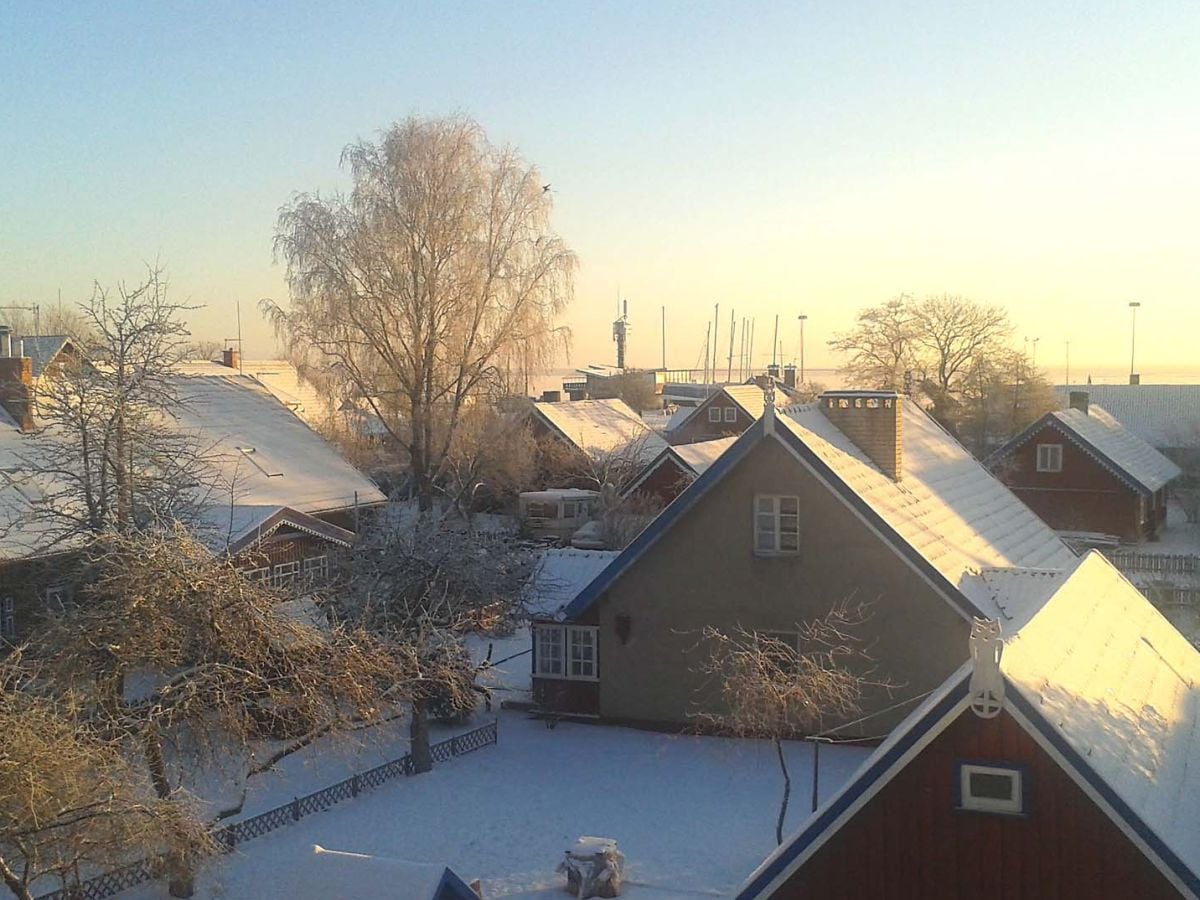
{"x": 777, "y": 159}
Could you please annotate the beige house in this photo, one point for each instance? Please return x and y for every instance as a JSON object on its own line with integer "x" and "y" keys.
{"x": 860, "y": 495}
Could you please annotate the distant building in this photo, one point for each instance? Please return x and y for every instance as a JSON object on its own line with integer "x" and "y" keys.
{"x": 669, "y": 473}
{"x": 1081, "y": 470}
{"x": 727, "y": 412}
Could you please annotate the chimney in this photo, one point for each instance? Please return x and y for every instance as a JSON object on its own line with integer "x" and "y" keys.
{"x": 773, "y": 370}
{"x": 1134, "y": 378}
{"x": 551, "y": 396}
{"x": 1078, "y": 400}
{"x": 873, "y": 421}
{"x": 789, "y": 376}
{"x": 229, "y": 357}
{"x": 16, "y": 383}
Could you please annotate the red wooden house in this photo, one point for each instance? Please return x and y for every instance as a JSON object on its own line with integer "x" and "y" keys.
{"x": 1082, "y": 471}
{"x": 726, "y": 413}
{"x": 1064, "y": 766}
{"x": 675, "y": 468}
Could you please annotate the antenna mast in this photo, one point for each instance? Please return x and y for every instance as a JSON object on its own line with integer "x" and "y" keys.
{"x": 621, "y": 334}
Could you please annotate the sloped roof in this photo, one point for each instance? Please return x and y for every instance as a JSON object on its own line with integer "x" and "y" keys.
{"x": 233, "y": 529}
{"x": 1118, "y": 445}
{"x": 42, "y": 350}
{"x": 702, "y": 454}
{"x": 1162, "y": 415}
{"x": 749, "y": 398}
{"x": 561, "y": 574}
{"x": 280, "y": 378}
{"x": 947, "y": 514}
{"x": 602, "y": 427}
{"x": 1103, "y": 680}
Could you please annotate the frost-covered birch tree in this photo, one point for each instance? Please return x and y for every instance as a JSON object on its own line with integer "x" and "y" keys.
{"x": 434, "y": 278}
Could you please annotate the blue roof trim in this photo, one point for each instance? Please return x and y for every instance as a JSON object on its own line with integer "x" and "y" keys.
{"x": 1102, "y": 787}
{"x": 664, "y": 520}
{"x": 451, "y": 887}
{"x": 1079, "y": 440}
{"x": 879, "y": 767}
{"x": 956, "y": 597}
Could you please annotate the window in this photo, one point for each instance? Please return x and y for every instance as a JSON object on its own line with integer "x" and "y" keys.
{"x": 316, "y": 567}
{"x": 730, "y": 414}
{"x": 565, "y": 651}
{"x": 714, "y": 414}
{"x": 992, "y": 789}
{"x": 284, "y": 573}
{"x": 257, "y": 574}
{"x": 8, "y": 618}
{"x": 569, "y": 509}
{"x": 776, "y": 524}
{"x": 1049, "y": 457}
{"x": 56, "y": 594}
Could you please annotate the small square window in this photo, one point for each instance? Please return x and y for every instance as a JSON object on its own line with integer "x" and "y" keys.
{"x": 714, "y": 414}
{"x": 994, "y": 789}
{"x": 731, "y": 414}
{"x": 1049, "y": 457}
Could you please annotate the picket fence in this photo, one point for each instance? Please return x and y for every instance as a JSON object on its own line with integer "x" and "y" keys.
{"x": 230, "y": 836}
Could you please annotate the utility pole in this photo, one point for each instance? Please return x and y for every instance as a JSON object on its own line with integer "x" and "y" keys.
{"x": 664, "y": 336}
{"x": 732, "y": 332}
{"x": 803, "y": 318}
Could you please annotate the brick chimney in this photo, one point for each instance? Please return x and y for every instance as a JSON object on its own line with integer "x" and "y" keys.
{"x": 229, "y": 356}
{"x": 873, "y": 421}
{"x": 1078, "y": 400}
{"x": 16, "y": 382}
{"x": 789, "y": 376}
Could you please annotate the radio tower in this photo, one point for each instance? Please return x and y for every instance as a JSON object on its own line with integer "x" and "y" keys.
{"x": 621, "y": 333}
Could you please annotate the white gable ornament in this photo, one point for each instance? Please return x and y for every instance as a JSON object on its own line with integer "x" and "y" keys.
{"x": 769, "y": 403}
{"x": 987, "y": 684}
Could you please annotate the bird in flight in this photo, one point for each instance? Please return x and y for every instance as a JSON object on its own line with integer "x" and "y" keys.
{"x": 545, "y": 188}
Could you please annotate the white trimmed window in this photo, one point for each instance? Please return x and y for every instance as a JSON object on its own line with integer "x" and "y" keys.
{"x": 993, "y": 789}
{"x": 714, "y": 414}
{"x": 565, "y": 651}
{"x": 285, "y": 573}
{"x": 262, "y": 574}
{"x": 731, "y": 414}
{"x": 316, "y": 567}
{"x": 56, "y": 594}
{"x": 1049, "y": 457}
{"x": 8, "y": 618}
{"x": 776, "y": 524}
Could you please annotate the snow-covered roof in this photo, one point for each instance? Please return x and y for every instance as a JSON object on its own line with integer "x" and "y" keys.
{"x": 1096, "y": 672}
{"x": 280, "y": 378}
{"x": 1162, "y": 415}
{"x": 1115, "y": 445}
{"x": 561, "y": 574}
{"x": 269, "y": 456}
{"x": 947, "y": 513}
{"x": 749, "y": 398}
{"x": 702, "y": 454}
{"x": 602, "y": 427}
{"x": 337, "y": 873}
{"x": 946, "y": 506}
{"x": 42, "y": 349}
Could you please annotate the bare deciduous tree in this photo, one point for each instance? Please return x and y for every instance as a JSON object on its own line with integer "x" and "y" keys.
{"x": 422, "y": 587}
{"x": 998, "y": 398}
{"x": 773, "y": 689}
{"x": 951, "y": 333}
{"x": 881, "y": 346}
{"x": 492, "y": 453}
{"x": 70, "y": 800}
{"x": 437, "y": 270}
{"x": 219, "y": 663}
{"x": 105, "y": 457}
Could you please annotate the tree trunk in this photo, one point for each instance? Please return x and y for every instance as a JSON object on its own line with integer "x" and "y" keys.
{"x": 13, "y": 881}
{"x": 787, "y": 791}
{"x": 418, "y": 733}
{"x": 181, "y": 877}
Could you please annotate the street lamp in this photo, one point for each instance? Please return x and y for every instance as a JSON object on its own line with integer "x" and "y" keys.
{"x": 1133, "y": 308}
{"x": 803, "y": 318}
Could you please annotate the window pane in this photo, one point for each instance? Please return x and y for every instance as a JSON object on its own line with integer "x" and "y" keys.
{"x": 766, "y": 504}
{"x": 789, "y": 542}
{"x": 789, "y": 505}
{"x": 764, "y": 541}
{"x": 991, "y": 786}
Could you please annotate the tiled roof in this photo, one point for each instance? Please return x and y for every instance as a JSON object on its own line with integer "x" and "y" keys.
{"x": 749, "y": 398}
{"x": 1119, "y": 446}
{"x": 42, "y": 350}
{"x": 602, "y": 427}
{"x": 1162, "y": 415}
{"x": 1096, "y": 672}
{"x": 702, "y": 454}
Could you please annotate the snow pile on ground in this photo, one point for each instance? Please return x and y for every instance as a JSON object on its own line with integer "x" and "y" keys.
{"x": 693, "y": 815}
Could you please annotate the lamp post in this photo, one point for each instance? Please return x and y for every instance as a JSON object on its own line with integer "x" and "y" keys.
{"x": 803, "y": 318}
{"x": 1133, "y": 308}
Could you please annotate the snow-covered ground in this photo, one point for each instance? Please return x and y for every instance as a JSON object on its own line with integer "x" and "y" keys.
{"x": 693, "y": 815}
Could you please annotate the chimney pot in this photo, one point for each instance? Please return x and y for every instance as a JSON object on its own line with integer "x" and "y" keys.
{"x": 229, "y": 356}
{"x": 789, "y": 376}
{"x": 1079, "y": 400}
{"x": 873, "y": 421}
{"x": 1135, "y": 378}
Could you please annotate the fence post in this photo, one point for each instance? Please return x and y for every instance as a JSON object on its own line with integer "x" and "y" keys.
{"x": 454, "y": 751}
{"x": 295, "y": 809}
{"x": 354, "y": 785}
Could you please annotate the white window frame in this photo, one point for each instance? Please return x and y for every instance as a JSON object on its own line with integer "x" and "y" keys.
{"x": 1014, "y": 806}
{"x": 555, "y": 652}
{"x": 317, "y": 567}
{"x": 56, "y": 593}
{"x": 260, "y": 574}
{"x": 770, "y": 508}
{"x": 730, "y": 414}
{"x": 1052, "y": 460}
{"x": 714, "y": 414}
{"x": 8, "y": 618}
{"x": 283, "y": 574}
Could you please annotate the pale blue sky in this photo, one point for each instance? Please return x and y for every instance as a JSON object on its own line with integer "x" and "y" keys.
{"x": 775, "y": 158}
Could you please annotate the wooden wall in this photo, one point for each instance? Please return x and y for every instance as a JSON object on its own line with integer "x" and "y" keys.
{"x": 909, "y": 841}
{"x": 698, "y": 428}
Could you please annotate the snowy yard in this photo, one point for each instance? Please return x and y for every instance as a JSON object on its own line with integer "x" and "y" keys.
{"x": 693, "y": 815}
